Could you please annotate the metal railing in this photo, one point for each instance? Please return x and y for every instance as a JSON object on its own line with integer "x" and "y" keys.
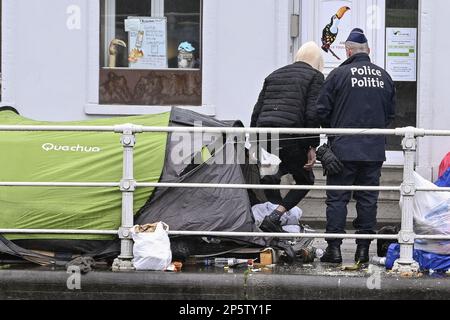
{"x": 128, "y": 185}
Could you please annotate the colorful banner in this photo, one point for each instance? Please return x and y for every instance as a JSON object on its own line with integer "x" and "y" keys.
{"x": 335, "y": 24}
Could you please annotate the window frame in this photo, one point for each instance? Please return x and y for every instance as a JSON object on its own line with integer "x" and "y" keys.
{"x": 7, "y": 97}
{"x": 93, "y": 106}
{"x": 1, "y": 51}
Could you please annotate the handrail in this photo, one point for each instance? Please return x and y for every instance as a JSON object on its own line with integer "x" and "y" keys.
{"x": 416, "y": 132}
{"x": 128, "y": 185}
{"x": 62, "y": 184}
{"x": 216, "y": 186}
{"x": 199, "y": 185}
{"x": 230, "y": 234}
{"x": 59, "y": 231}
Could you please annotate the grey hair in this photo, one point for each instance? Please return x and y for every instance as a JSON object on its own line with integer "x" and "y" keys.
{"x": 357, "y": 47}
{"x": 311, "y": 54}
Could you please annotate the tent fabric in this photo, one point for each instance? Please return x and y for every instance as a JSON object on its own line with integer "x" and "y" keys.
{"x": 203, "y": 209}
{"x": 73, "y": 157}
{"x": 10, "y": 248}
{"x": 426, "y": 260}
{"x": 445, "y": 165}
{"x": 444, "y": 180}
{"x": 97, "y": 157}
{"x": 200, "y": 209}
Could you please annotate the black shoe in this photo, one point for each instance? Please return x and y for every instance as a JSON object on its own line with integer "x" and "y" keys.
{"x": 272, "y": 223}
{"x": 332, "y": 255}
{"x": 290, "y": 254}
{"x": 362, "y": 254}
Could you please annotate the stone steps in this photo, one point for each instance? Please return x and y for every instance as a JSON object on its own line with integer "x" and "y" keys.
{"x": 314, "y": 207}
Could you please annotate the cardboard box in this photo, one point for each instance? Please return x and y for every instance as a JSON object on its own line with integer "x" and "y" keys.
{"x": 268, "y": 257}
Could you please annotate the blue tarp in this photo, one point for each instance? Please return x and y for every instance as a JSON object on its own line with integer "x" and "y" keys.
{"x": 444, "y": 181}
{"x": 427, "y": 261}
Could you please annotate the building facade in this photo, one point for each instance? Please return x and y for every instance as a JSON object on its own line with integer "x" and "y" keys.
{"x": 80, "y": 59}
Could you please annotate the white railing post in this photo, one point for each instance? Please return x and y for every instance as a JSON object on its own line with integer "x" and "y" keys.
{"x": 127, "y": 187}
{"x": 407, "y": 236}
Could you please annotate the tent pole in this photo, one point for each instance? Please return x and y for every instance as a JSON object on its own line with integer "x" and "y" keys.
{"x": 127, "y": 187}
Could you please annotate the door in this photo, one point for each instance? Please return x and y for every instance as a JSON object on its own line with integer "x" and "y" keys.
{"x": 377, "y": 18}
{"x": 402, "y": 21}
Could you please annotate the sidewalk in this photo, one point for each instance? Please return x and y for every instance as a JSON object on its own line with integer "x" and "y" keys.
{"x": 297, "y": 282}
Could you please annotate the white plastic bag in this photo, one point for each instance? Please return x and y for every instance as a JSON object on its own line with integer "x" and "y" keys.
{"x": 431, "y": 217}
{"x": 151, "y": 249}
{"x": 290, "y": 221}
{"x": 270, "y": 164}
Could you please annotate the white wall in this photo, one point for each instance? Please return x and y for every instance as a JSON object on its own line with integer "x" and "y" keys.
{"x": 46, "y": 62}
{"x": 249, "y": 47}
{"x": 49, "y": 67}
{"x": 434, "y": 85}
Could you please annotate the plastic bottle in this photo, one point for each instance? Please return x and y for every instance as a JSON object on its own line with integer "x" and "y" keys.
{"x": 230, "y": 262}
{"x": 319, "y": 253}
{"x": 207, "y": 262}
{"x": 379, "y": 261}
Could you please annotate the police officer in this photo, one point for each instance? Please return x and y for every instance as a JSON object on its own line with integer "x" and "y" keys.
{"x": 358, "y": 94}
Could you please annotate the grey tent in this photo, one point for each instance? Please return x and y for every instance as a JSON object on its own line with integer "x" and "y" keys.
{"x": 202, "y": 209}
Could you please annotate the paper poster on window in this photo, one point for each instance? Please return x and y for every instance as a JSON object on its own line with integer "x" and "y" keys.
{"x": 401, "y": 53}
{"x": 147, "y": 42}
{"x": 335, "y": 24}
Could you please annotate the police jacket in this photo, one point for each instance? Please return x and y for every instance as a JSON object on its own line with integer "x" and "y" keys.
{"x": 288, "y": 100}
{"x": 358, "y": 94}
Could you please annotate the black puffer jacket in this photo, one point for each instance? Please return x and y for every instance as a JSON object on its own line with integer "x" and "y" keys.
{"x": 288, "y": 99}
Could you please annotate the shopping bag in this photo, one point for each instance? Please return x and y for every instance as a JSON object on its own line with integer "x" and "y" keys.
{"x": 431, "y": 217}
{"x": 270, "y": 164}
{"x": 151, "y": 247}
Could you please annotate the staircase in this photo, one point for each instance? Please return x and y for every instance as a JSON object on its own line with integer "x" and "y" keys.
{"x": 389, "y": 213}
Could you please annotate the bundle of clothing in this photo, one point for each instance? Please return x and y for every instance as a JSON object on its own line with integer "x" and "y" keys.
{"x": 290, "y": 221}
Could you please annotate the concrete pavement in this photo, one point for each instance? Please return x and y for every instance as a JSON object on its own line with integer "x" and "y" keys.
{"x": 288, "y": 282}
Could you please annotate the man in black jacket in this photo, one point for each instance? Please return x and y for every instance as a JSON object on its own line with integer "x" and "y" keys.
{"x": 358, "y": 94}
{"x": 288, "y": 100}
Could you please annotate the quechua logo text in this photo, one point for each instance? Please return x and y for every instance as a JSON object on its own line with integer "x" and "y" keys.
{"x": 51, "y": 147}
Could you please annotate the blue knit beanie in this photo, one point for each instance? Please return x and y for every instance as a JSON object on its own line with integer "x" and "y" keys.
{"x": 357, "y": 35}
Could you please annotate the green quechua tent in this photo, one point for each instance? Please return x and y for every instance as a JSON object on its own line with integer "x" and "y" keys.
{"x": 98, "y": 157}
{"x": 72, "y": 157}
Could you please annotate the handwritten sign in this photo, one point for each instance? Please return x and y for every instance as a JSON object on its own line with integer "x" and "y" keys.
{"x": 147, "y": 47}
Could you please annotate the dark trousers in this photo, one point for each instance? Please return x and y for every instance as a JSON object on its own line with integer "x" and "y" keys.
{"x": 360, "y": 174}
{"x": 293, "y": 158}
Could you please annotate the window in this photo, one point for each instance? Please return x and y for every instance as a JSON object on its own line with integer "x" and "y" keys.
{"x": 403, "y": 14}
{"x": 151, "y": 52}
